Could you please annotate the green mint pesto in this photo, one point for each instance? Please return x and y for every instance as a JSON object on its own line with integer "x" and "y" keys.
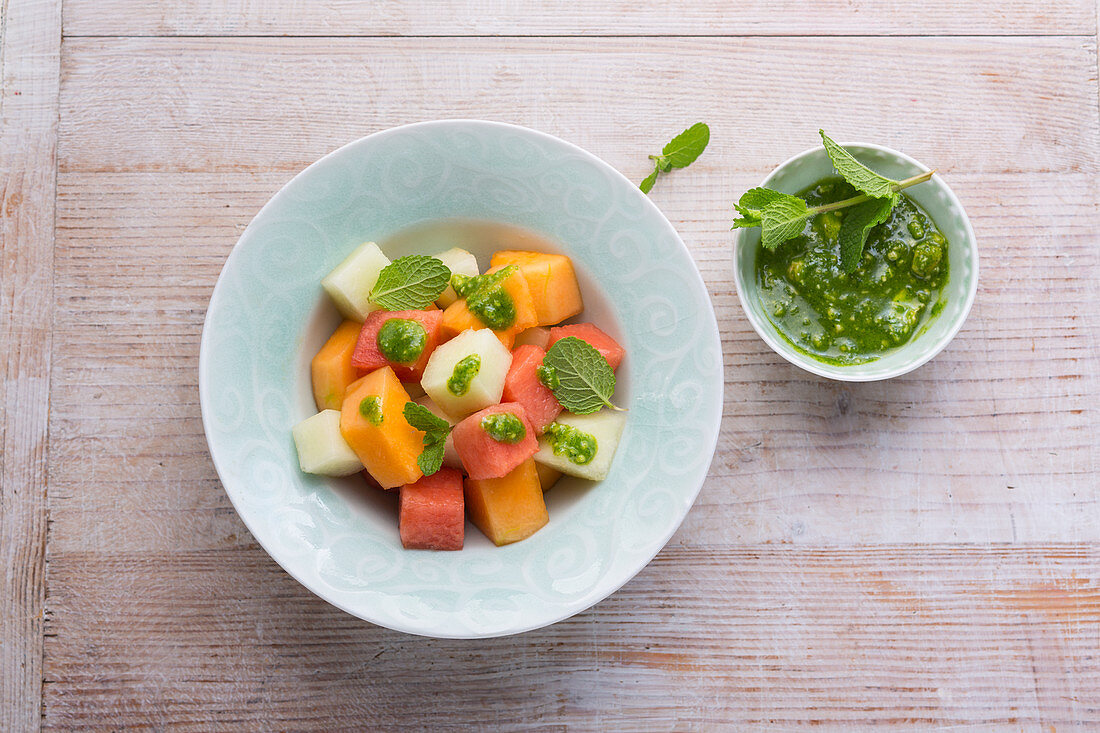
{"x": 575, "y": 445}
{"x": 464, "y": 372}
{"x": 853, "y": 318}
{"x": 371, "y": 409}
{"x": 504, "y": 427}
{"x": 485, "y": 297}
{"x": 401, "y": 340}
{"x": 548, "y": 377}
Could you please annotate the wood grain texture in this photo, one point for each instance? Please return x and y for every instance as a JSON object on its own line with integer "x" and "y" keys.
{"x": 966, "y": 638}
{"x": 561, "y": 17}
{"x": 811, "y": 585}
{"x": 30, "y": 38}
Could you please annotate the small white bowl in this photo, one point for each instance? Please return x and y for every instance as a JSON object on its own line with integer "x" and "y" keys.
{"x": 934, "y": 196}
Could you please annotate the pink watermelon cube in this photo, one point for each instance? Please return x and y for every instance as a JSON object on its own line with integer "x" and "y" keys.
{"x": 599, "y": 340}
{"x": 432, "y": 514}
{"x": 367, "y": 357}
{"x": 522, "y": 385}
{"x": 484, "y": 457}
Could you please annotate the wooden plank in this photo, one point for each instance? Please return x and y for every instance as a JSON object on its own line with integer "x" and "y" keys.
{"x": 974, "y": 638}
{"x": 30, "y": 38}
{"x": 255, "y": 104}
{"x": 556, "y": 17}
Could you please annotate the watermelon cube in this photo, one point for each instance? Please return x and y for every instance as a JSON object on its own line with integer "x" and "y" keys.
{"x": 432, "y": 514}
{"x": 603, "y": 343}
{"x": 350, "y": 283}
{"x": 483, "y": 456}
{"x": 484, "y": 388}
{"x": 522, "y": 385}
{"x": 322, "y": 449}
{"x": 368, "y": 356}
{"x": 603, "y": 429}
{"x": 510, "y": 508}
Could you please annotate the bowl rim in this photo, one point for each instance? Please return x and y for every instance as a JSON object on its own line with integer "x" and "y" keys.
{"x": 204, "y": 377}
{"x": 836, "y": 372}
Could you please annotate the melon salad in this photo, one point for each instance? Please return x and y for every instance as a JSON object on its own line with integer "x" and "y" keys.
{"x": 465, "y": 391}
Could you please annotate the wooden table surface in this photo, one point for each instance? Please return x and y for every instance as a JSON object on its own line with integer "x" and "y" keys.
{"x": 922, "y": 553}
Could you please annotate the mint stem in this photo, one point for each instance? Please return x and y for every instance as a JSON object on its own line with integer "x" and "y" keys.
{"x": 864, "y": 197}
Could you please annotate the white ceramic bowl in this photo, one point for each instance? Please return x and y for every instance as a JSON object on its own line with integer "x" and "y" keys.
{"x": 267, "y": 316}
{"x": 935, "y": 198}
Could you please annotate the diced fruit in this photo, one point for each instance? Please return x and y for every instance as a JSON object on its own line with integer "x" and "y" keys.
{"x": 458, "y": 261}
{"x": 509, "y": 508}
{"x": 537, "y": 336}
{"x": 331, "y": 369}
{"x": 483, "y": 456}
{"x": 603, "y": 343}
{"x": 413, "y": 389}
{"x": 372, "y": 421}
{"x": 450, "y": 455}
{"x": 368, "y": 356}
{"x": 483, "y": 389}
{"x": 458, "y": 318}
{"x": 321, "y": 448}
{"x": 432, "y": 514}
{"x": 547, "y": 476}
{"x": 551, "y": 281}
{"x": 604, "y": 428}
{"x": 522, "y": 385}
{"x": 350, "y": 283}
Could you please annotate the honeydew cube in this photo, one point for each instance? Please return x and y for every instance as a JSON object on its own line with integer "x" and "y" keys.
{"x": 322, "y": 449}
{"x": 450, "y": 455}
{"x": 605, "y": 426}
{"x": 458, "y": 261}
{"x": 350, "y": 283}
{"x": 484, "y": 389}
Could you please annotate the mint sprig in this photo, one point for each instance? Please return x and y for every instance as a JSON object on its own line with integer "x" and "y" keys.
{"x": 435, "y": 430}
{"x": 680, "y": 152}
{"x": 582, "y": 380}
{"x": 782, "y": 216}
{"x": 410, "y": 283}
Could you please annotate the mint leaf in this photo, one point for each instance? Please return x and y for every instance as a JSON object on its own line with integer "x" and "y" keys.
{"x": 860, "y": 176}
{"x": 410, "y": 283}
{"x": 782, "y": 219}
{"x": 683, "y": 149}
{"x": 680, "y": 152}
{"x": 435, "y": 430}
{"x": 585, "y": 381}
{"x": 857, "y": 224}
{"x": 752, "y": 204}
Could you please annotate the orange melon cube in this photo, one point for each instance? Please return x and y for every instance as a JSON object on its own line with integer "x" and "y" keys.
{"x": 331, "y": 369}
{"x": 510, "y": 508}
{"x": 372, "y": 421}
{"x": 547, "y": 476}
{"x": 458, "y": 318}
{"x": 555, "y": 292}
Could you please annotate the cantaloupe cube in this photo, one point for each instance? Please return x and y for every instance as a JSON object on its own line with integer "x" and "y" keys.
{"x": 551, "y": 280}
{"x": 604, "y": 427}
{"x": 509, "y": 508}
{"x": 431, "y": 515}
{"x": 483, "y": 456}
{"x": 372, "y": 421}
{"x": 460, "y": 262}
{"x": 592, "y": 334}
{"x": 547, "y": 476}
{"x": 450, "y": 455}
{"x": 349, "y": 284}
{"x": 458, "y": 318}
{"x": 321, "y": 447}
{"x": 331, "y": 371}
{"x": 484, "y": 389}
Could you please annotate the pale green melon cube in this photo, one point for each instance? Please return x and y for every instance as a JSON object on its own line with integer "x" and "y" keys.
{"x": 484, "y": 389}
{"x": 321, "y": 447}
{"x": 458, "y": 261}
{"x": 350, "y": 283}
{"x": 450, "y": 455}
{"x": 605, "y": 426}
